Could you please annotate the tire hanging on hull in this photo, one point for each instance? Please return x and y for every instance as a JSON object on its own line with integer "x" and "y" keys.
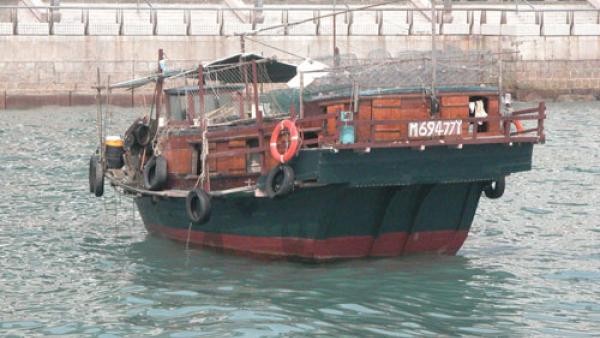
{"x": 96, "y": 176}
{"x": 280, "y": 181}
{"x": 142, "y": 134}
{"x": 155, "y": 173}
{"x": 197, "y": 206}
{"x": 495, "y": 189}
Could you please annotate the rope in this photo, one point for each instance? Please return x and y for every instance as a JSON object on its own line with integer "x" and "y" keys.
{"x": 187, "y": 240}
{"x": 277, "y": 48}
{"x": 132, "y": 212}
{"x": 205, "y": 147}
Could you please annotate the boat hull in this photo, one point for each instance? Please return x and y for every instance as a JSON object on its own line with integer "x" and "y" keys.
{"x": 326, "y": 222}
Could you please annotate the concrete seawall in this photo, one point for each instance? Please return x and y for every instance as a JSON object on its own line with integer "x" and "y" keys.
{"x": 37, "y": 70}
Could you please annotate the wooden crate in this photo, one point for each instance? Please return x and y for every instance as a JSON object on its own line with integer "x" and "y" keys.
{"x": 179, "y": 160}
{"x": 230, "y": 164}
{"x": 458, "y": 113}
{"x": 454, "y": 101}
{"x": 331, "y": 122}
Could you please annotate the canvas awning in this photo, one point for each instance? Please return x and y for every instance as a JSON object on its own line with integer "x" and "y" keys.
{"x": 231, "y": 69}
{"x": 226, "y": 70}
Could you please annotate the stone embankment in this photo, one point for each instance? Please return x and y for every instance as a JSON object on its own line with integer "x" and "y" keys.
{"x": 52, "y": 58}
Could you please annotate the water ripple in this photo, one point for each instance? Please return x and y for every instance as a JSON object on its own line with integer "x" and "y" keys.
{"x": 73, "y": 265}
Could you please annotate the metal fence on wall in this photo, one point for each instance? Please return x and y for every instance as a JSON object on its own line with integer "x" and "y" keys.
{"x": 297, "y": 21}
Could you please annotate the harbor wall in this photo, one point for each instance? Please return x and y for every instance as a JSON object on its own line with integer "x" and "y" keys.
{"x": 61, "y": 70}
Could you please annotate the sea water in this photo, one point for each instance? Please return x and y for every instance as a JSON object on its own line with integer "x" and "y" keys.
{"x": 75, "y": 265}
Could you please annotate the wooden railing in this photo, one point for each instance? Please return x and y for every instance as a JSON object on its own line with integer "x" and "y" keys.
{"x": 534, "y": 134}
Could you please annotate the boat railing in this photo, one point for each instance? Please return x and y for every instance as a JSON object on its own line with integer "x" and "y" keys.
{"x": 531, "y": 132}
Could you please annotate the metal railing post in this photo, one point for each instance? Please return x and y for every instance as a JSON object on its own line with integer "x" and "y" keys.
{"x": 541, "y": 117}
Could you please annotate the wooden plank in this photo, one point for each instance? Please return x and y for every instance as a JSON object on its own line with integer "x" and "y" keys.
{"x": 179, "y": 160}
{"x": 450, "y": 101}
{"x": 387, "y": 135}
{"x": 231, "y": 164}
{"x": 414, "y": 103}
{"x": 237, "y": 144}
{"x": 398, "y": 114}
{"x": 331, "y": 122}
{"x": 365, "y": 113}
{"x": 387, "y": 102}
{"x": 493, "y": 111}
{"x": 493, "y": 106}
{"x": 212, "y": 165}
{"x": 454, "y": 112}
{"x": 387, "y": 114}
{"x": 179, "y": 142}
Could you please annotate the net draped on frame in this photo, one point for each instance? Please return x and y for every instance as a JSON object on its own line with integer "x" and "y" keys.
{"x": 229, "y": 90}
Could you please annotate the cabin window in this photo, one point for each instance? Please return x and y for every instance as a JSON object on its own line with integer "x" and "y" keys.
{"x": 197, "y": 160}
{"x": 177, "y": 107}
{"x": 478, "y": 107}
{"x": 253, "y": 159}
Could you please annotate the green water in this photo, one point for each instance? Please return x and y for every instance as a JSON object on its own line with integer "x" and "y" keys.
{"x": 74, "y": 265}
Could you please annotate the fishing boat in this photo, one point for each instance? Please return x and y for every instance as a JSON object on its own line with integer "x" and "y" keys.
{"x": 320, "y": 161}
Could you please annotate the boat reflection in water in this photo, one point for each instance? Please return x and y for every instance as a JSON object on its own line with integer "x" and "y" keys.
{"x": 220, "y": 294}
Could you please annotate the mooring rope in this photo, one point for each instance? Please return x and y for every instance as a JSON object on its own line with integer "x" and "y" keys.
{"x": 187, "y": 240}
{"x": 205, "y": 148}
{"x": 132, "y": 212}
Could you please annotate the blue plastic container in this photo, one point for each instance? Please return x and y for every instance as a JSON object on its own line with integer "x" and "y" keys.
{"x": 347, "y": 134}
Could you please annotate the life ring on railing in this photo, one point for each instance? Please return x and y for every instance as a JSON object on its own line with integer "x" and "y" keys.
{"x": 495, "y": 189}
{"x": 518, "y": 125}
{"x": 294, "y": 139}
{"x": 197, "y": 206}
{"x": 155, "y": 173}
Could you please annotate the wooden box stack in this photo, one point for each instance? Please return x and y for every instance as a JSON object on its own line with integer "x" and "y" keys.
{"x": 455, "y": 107}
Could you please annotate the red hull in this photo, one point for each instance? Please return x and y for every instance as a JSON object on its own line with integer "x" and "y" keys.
{"x": 446, "y": 242}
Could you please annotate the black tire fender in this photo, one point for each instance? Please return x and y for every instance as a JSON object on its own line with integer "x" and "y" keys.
{"x": 280, "y": 181}
{"x": 495, "y": 189}
{"x": 92, "y": 172}
{"x": 96, "y": 176}
{"x": 142, "y": 134}
{"x": 197, "y": 206}
{"x": 155, "y": 173}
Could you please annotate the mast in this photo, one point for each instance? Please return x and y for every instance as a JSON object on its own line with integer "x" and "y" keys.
{"x": 159, "y": 85}
{"x": 433, "y": 48}
{"x": 99, "y": 113}
{"x": 334, "y": 42}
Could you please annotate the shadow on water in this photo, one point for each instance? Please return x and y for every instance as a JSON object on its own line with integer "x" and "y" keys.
{"x": 229, "y": 294}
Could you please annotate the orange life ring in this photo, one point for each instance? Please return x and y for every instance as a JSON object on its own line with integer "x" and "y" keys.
{"x": 518, "y": 125}
{"x": 294, "y": 145}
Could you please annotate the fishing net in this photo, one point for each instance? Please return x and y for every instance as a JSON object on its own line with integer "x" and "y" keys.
{"x": 230, "y": 93}
{"x": 406, "y": 72}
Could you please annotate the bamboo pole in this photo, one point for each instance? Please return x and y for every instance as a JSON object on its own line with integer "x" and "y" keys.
{"x": 99, "y": 113}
